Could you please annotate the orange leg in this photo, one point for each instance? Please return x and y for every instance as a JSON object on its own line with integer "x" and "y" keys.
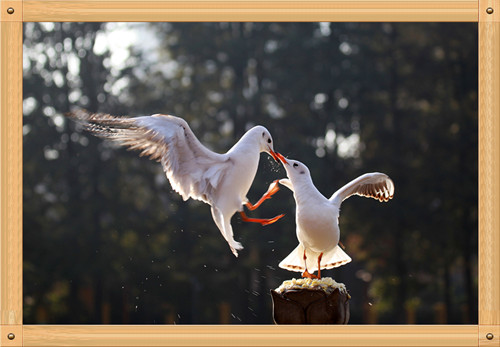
{"x": 259, "y": 220}
{"x": 273, "y": 188}
{"x": 319, "y": 266}
{"x": 307, "y": 273}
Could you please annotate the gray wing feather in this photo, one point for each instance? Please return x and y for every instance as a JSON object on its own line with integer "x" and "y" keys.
{"x": 192, "y": 169}
{"x": 372, "y": 185}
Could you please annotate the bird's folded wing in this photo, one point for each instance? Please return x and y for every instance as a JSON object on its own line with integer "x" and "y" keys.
{"x": 373, "y": 185}
{"x": 192, "y": 169}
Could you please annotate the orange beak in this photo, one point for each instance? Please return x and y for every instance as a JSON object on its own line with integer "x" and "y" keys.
{"x": 274, "y": 154}
{"x": 277, "y": 156}
{"x": 281, "y": 158}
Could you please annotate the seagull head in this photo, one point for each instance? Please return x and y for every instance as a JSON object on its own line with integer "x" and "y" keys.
{"x": 265, "y": 141}
{"x": 295, "y": 170}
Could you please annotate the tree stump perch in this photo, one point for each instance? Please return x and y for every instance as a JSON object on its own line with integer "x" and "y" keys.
{"x": 306, "y": 301}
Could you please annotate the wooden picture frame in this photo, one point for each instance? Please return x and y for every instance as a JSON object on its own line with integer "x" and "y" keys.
{"x": 12, "y": 330}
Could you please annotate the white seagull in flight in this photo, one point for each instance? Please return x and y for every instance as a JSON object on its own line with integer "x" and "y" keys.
{"x": 194, "y": 171}
{"x": 317, "y": 217}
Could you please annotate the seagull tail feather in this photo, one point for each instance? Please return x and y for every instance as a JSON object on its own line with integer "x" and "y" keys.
{"x": 295, "y": 260}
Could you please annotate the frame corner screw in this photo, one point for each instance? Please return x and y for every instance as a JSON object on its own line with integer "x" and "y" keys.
{"x": 489, "y": 336}
{"x": 489, "y": 10}
{"x": 11, "y": 336}
{"x": 10, "y": 10}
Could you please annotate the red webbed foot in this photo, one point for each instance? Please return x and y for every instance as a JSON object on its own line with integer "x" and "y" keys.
{"x": 259, "y": 220}
{"x": 273, "y": 188}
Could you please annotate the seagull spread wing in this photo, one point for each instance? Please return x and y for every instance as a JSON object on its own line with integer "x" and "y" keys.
{"x": 372, "y": 185}
{"x": 192, "y": 169}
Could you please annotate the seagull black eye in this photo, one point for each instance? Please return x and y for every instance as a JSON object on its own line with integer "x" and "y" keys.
{"x": 295, "y": 164}
{"x": 263, "y": 134}
{"x": 268, "y": 140}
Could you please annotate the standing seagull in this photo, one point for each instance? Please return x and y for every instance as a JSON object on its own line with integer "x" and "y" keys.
{"x": 317, "y": 217}
{"x": 220, "y": 180}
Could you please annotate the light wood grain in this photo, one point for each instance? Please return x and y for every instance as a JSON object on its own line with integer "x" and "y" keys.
{"x": 11, "y": 173}
{"x": 389, "y": 335}
{"x": 484, "y": 330}
{"x": 17, "y": 16}
{"x": 489, "y": 165}
{"x": 226, "y": 10}
{"x": 5, "y": 330}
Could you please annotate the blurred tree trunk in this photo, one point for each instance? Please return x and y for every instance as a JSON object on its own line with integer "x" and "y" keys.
{"x": 93, "y": 78}
{"x": 395, "y": 126}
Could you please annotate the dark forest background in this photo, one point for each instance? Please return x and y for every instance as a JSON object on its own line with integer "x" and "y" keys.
{"x": 106, "y": 239}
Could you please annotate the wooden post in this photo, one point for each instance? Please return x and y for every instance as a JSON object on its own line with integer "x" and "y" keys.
{"x": 311, "y": 302}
